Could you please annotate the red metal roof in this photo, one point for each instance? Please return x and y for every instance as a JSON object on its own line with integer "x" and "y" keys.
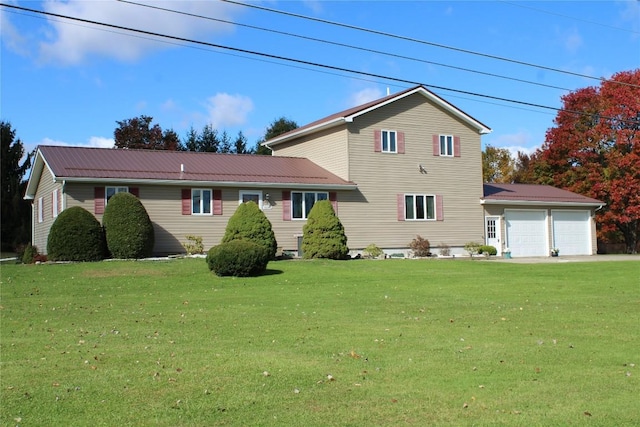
{"x": 119, "y": 164}
{"x": 535, "y": 193}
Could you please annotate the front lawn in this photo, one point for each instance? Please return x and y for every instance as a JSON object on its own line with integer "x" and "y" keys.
{"x": 319, "y": 343}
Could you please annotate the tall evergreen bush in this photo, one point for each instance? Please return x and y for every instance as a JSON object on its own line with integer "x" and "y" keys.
{"x": 323, "y": 234}
{"x": 75, "y": 235}
{"x": 250, "y": 223}
{"x": 128, "y": 229}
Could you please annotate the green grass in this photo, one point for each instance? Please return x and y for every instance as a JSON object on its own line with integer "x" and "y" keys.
{"x": 321, "y": 343}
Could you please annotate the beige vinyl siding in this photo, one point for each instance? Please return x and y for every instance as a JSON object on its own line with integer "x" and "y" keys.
{"x": 164, "y": 206}
{"x": 370, "y": 214}
{"x": 327, "y": 149}
{"x": 45, "y": 189}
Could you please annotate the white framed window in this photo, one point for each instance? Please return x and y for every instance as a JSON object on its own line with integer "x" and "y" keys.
{"x": 54, "y": 203}
{"x": 302, "y": 202}
{"x": 250, "y": 196}
{"x": 419, "y": 207}
{"x": 201, "y": 201}
{"x": 109, "y": 192}
{"x": 40, "y": 209}
{"x": 446, "y": 145}
{"x": 388, "y": 140}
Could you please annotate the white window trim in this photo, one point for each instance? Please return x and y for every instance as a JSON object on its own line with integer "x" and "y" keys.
{"x": 440, "y": 145}
{"x": 388, "y": 132}
{"x": 40, "y": 209}
{"x": 55, "y": 202}
{"x": 118, "y": 189}
{"x": 241, "y": 194}
{"x": 435, "y": 208}
{"x": 304, "y": 216}
{"x": 202, "y": 213}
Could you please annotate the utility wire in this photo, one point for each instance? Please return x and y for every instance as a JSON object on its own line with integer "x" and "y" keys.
{"x": 299, "y": 61}
{"x": 343, "y": 45}
{"x": 524, "y": 6}
{"x": 411, "y": 39}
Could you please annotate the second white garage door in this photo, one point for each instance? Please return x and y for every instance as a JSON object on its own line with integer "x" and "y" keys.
{"x": 572, "y": 232}
{"x": 527, "y": 233}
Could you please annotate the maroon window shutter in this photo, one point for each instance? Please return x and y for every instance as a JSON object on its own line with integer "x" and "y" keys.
{"x": 53, "y": 204}
{"x": 377, "y": 141}
{"x": 98, "y": 200}
{"x": 436, "y": 145}
{"x": 286, "y": 205}
{"x": 400, "y": 207}
{"x": 135, "y": 191}
{"x": 439, "y": 208}
{"x": 217, "y": 202}
{"x": 186, "y": 201}
{"x": 59, "y": 201}
{"x": 456, "y": 146}
{"x": 400, "y": 142}
{"x": 333, "y": 198}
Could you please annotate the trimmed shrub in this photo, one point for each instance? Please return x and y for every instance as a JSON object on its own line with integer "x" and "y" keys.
{"x": 128, "y": 228}
{"x": 76, "y": 235}
{"x": 250, "y": 223}
{"x": 193, "y": 245}
{"x": 488, "y": 250}
{"x": 323, "y": 234}
{"x": 238, "y": 258}
{"x": 372, "y": 251}
{"x": 29, "y": 255}
{"x": 420, "y": 247}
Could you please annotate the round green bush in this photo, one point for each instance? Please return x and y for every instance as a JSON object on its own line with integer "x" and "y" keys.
{"x": 29, "y": 255}
{"x": 75, "y": 235}
{"x": 323, "y": 234}
{"x": 488, "y": 249}
{"x": 250, "y": 223}
{"x": 238, "y": 258}
{"x": 128, "y": 228}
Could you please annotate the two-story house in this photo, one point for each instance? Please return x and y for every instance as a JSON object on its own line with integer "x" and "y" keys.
{"x": 404, "y": 165}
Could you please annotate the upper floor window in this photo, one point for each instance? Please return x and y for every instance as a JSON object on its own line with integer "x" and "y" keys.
{"x": 419, "y": 207}
{"x": 201, "y": 201}
{"x": 109, "y": 192}
{"x": 446, "y": 145}
{"x": 55, "y": 203}
{"x": 302, "y": 202}
{"x": 389, "y": 138}
{"x": 40, "y": 209}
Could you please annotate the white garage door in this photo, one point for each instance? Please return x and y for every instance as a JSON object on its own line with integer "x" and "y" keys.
{"x": 572, "y": 232}
{"x": 527, "y": 233}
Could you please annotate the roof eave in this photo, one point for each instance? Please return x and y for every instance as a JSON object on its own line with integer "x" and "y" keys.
{"x": 539, "y": 203}
{"x": 225, "y": 184}
{"x": 35, "y": 175}
{"x": 293, "y": 134}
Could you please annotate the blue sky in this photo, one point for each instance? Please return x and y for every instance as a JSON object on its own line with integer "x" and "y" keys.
{"x": 66, "y": 82}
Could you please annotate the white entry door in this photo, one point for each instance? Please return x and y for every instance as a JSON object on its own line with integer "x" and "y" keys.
{"x": 492, "y": 232}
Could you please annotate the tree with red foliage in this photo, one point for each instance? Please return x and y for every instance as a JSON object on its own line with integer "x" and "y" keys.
{"x": 594, "y": 150}
{"x": 137, "y": 133}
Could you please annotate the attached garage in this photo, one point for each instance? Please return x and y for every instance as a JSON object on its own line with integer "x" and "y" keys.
{"x": 536, "y": 218}
{"x": 526, "y": 232}
{"x": 572, "y": 232}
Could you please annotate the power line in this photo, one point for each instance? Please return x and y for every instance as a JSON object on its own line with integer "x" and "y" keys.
{"x": 282, "y": 58}
{"x": 524, "y": 6}
{"x": 411, "y": 39}
{"x": 344, "y": 45}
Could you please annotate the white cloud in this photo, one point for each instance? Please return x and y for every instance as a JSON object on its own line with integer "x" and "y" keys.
{"x": 228, "y": 110}
{"x": 11, "y": 37}
{"x": 363, "y": 96}
{"x": 514, "y": 142}
{"x": 101, "y": 142}
{"x": 71, "y": 42}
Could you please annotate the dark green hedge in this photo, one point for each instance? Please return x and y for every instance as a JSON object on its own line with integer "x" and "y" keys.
{"x": 76, "y": 235}
{"x": 128, "y": 229}
{"x": 487, "y": 249}
{"x": 238, "y": 258}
